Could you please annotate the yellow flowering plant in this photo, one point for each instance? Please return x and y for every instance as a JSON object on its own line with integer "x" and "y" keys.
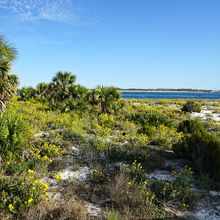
{"x": 58, "y": 176}
{"x": 17, "y": 193}
{"x": 136, "y": 171}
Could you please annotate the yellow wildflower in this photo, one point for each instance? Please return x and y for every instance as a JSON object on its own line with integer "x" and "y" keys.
{"x": 31, "y": 171}
{"x": 45, "y": 186}
{"x": 145, "y": 182}
{"x": 11, "y": 208}
{"x": 30, "y": 201}
{"x": 45, "y": 158}
{"x": 57, "y": 177}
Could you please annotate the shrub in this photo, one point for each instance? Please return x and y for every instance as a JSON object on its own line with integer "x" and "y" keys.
{"x": 19, "y": 167}
{"x": 153, "y": 118}
{"x": 48, "y": 150}
{"x": 146, "y": 197}
{"x": 106, "y": 120}
{"x": 191, "y": 127}
{"x": 106, "y": 99}
{"x": 200, "y": 148}
{"x": 26, "y": 93}
{"x": 177, "y": 193}
{"x": 191, "y": 106}
{"x": 18, "y": 193}
{"x": 136, "y": 171}
{"x": 14, "y": 137}
{"x": 98, "y": 175}
{"x": 165, "y": 137}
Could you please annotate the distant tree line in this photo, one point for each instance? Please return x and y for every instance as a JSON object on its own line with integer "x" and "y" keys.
{"x": 167, "y": 89}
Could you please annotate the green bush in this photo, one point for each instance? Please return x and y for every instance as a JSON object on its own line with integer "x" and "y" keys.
{"x": 200, "y": 148}
{"x": 26, "y": 93}
{"x": 19, "y": 167}
{"x": 18, "y": 193}
{"x": 105, "y": 99}
{"x": 191, "y": 127}
{"x": 98, "y": 175}
{"x": 14, "y": 137}
{"x": 153, "y": 118}
{"x": 149, "y": 121}
{"x": 191, "y": 106}
{"x": 178, "y": 192}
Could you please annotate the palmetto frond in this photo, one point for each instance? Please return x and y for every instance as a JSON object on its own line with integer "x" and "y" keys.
{"x": 8, "y": 82}
{"x": 7, "y": 51}
{"x": 64, "y": 79}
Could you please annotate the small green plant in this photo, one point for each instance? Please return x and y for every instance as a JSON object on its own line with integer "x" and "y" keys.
{"x": 136, "y": 171}
{"x": 49, "y": 150}
{"x": 112, "y": 215}
{"x": 98, "y": 176}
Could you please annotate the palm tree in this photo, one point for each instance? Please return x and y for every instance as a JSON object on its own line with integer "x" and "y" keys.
{"x": 42, "y": 91}
{"x": 105, "y": 98}
{"x": 8, "y": 82}
{"x": 41, "y": 88}
{"x": 7, "y": 55}
{"x": 61, "y": 84}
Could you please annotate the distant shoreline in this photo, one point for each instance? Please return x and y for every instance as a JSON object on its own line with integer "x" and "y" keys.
{"x": 164, "y": 90}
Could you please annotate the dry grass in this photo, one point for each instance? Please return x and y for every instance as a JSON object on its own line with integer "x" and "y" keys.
{"x": 129, "y": 202}
{"x": 118, "y": 190}
{"x": 124, "y": 195}
{"x": 6, "y": 216}
{"x": 71, "y": 210}
{"x": 90, "y": 155}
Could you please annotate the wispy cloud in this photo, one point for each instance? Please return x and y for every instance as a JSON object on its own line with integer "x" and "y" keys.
{"x": 34, "y": 10}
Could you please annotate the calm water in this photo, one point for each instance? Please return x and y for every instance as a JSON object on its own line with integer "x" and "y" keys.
{"x": 170, "y": 95}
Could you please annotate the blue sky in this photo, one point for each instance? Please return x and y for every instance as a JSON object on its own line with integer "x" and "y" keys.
{"x": 124, "y": 43}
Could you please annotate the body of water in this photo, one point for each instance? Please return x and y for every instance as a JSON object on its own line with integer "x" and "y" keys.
{"x": 170, "y": 95}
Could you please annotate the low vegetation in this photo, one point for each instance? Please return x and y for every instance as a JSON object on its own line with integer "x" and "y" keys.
{"x": 61, "y": 125}
{"x": 200, "y": 148}
{"x": 191, "y": 106}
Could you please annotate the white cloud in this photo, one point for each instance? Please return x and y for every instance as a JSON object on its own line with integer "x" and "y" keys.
{"x": 33, "y": 10}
